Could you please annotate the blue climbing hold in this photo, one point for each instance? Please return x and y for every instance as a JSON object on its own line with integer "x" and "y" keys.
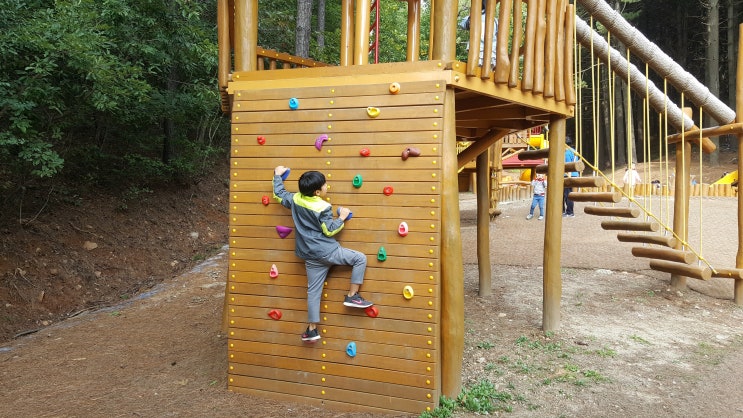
{"x": 350, "y": 214}
{"x": 286, "y": 174}
{"x": 351, "y": 349}
{"x": 293, "y": 103}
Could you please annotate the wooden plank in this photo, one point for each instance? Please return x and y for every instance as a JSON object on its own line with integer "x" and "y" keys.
{"x": 733, "y": 273}
{"x": 381, "y": 292}
{"x": 336, "y": 127}
{"x": 344, "y": 184}
{"x": 605, "y": 197}
{"x": 322, "y": 163}
{"x": 371, "y": 249}
{"x": 294, "y": 274}
{"x": 343, "y": 175}
{"x": 338, "y": 395}
{"x": 335, "y": 115}
{"x": 591, "y": 181}
{"x": 251, "y": 104}
{"x": 333, "y": 148}
{"x": 381, "y": 388}
{"x": 630, "y": 226}
{"x": 249, "y": 139}
{"x": 335, "y": 89}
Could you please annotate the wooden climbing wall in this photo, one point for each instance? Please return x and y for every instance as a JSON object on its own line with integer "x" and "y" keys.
{"x": 397, "y": 362}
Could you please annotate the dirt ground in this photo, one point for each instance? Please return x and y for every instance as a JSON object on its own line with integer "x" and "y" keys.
{"x": 131, "y": 327}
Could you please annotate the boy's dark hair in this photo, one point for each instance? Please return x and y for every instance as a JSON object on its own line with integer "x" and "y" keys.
{"x": 310, "y": 182}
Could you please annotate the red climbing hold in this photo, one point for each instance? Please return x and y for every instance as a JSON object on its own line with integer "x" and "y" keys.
{"x": 372, "y": 311}
{"x": 387, "y": 190}
{"x": 365, "y": 152}
{"x": 261, "y": 140}
{"x": 264, "y": 200}
{"x": 275, "y": 314}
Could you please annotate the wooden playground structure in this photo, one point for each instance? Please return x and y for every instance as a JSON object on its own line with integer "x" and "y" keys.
{"x": 357, "y": 123}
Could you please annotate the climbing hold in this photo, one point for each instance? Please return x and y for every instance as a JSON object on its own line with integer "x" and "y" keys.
{"x": 319, "y": 141}
{"x": 407, "y": 292}
{"x": 410, "y": 152}
{"x": 382, "y": 254}
{"x": 364, "y": 152}
{"x": 285, "y": 174}
{"x": 350, "y": 214}
{"x": 372, "y": 311}
{"x": 283, "y": 231}
{"x": 275, "y": 314}
{"x": 264, "y": 200}
{"x": 351, "y": 349}
{"x": 403, "y": 229}
{"x": 274, "y": 272}
{"x": 293, "y": 103}
{"x": 261, "y": 140}
{"x": 357, "y": 181}
{"x": 373, "y": 112}
{"x": 395, "y": 88}
{"x": 387, "y": 190}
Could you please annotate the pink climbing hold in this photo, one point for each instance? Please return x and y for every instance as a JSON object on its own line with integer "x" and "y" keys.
{"x": 319, "y": 141}
{"x": 274, "y": 272}
{"x": 283, "y": 231}
{"x": 403, "y": 229}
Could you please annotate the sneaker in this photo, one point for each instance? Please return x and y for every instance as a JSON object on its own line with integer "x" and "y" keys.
{"x": 356, "y": 301}
{"x": 540, "y": 218}
{"x": 568, "y": 215}
{"x": 529, "y": 216}
{"x": 310, "y": 335}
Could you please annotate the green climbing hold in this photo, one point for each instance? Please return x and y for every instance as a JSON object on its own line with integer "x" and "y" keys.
{"x": 382, "y": 254}
{"x": 357, "y": 181}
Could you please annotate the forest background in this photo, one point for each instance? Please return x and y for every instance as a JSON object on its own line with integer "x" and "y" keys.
{"x": 118, "y": 99}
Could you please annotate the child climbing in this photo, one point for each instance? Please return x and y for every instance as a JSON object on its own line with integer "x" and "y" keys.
{"x": 315, "y": 242}
{"x": 539, "y": 184}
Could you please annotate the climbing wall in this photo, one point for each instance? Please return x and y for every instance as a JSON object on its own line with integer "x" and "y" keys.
{"x": 364, "y": 138}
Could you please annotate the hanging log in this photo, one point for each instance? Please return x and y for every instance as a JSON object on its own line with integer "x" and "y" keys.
{"x": 534, "y": 154}
{"x": 736, "y": 274}
{"x": 667, "y": 241}
{"x": 668, "y": 254}
{"x": 569, "y": 167}
{"x": 591, "y": 181}
{"x": 618, "y": 212}
{"x": 695, "y": 272}
{"x": 606, "y": 197}
{"x": 630, "y": 226}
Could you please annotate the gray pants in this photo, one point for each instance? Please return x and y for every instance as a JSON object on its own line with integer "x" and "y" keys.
{"x": 317, "y": 272}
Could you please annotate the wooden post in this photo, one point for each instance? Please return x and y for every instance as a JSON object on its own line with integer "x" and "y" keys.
{"x": 223, "y": 42}
{"x": 473, "y": 55}
{"x": 738, "y": 286}
{"x": 414, "y": 30}
{"x": 681, "y": 201}
{"x": 361, "y": 33}
{"x": 246, "y": 35}
{"x": 483, "y": 223}
{"x": 452, "y": 267}
{"x": 552, "y": 279}
{"x": 347, "y": 32}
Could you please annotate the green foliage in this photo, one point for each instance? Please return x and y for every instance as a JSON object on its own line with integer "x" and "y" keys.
{"x": 445, "y": 409}
{"x": 86, "y": 88}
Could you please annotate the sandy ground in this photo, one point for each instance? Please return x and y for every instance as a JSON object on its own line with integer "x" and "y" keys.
{"x": 627, "y": 345}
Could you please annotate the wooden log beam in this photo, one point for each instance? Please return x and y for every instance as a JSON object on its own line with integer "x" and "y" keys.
{"x": 534, "y": 154}
{"x": 612, "y": 211}
{"x": 668, "y": 254}
{"x": 630, "y": 226}
{"x": 590, "y": 181}
{"x": 667, "y": 241}
{"x": 736, "y": 274}
{"x": 483, "y": 224}
{"x": 569, "y": 167}
{"x": 693, "y": 134}
{"x": 695, "y": 272}
{"x": 479, "y": 146}
{"x": 513, "y": 77}
{"x": 605, "y": 197}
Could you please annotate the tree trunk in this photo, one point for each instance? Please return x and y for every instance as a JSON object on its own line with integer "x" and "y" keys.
{"x": 320, "y": 25}
{"x": 712, "y": 68}
{"x": 304, "y": 26}
{"x": 732, "y": 44}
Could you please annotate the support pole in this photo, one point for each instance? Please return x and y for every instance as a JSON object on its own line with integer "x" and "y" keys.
{"x": 552, "y": 278}
{"x": 452, "y": 268}
{"x": 414, "y": 30}
{"x": 361, "y": 33}
{"x": 483, "y": 223}
{"x": 738, "y": 286}
{"x": 681, "y": 201}
{"x": 246, "y": 35}
{"x": 347, "y": 31}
